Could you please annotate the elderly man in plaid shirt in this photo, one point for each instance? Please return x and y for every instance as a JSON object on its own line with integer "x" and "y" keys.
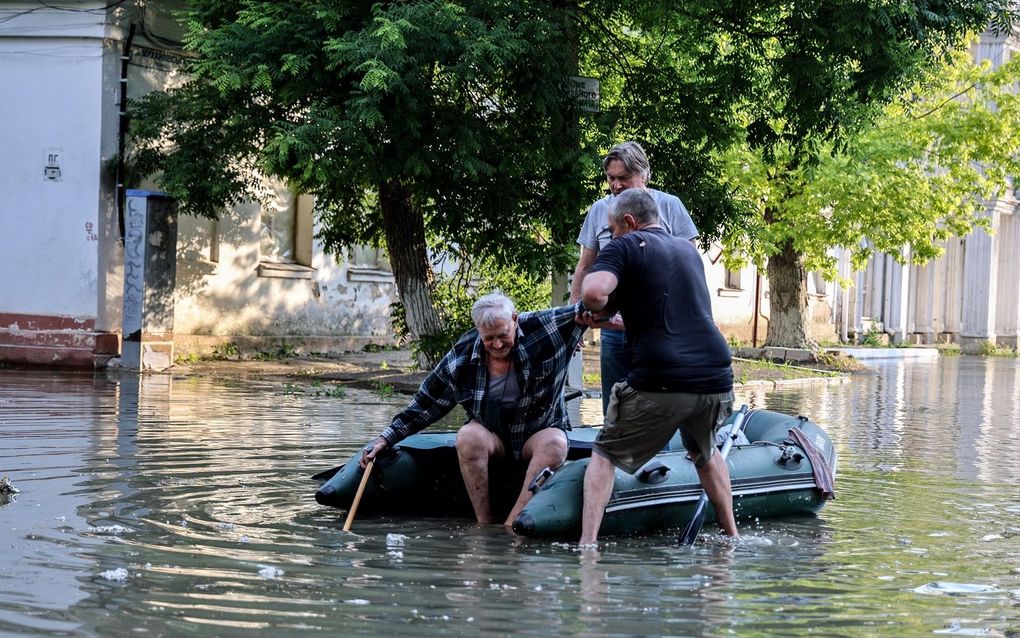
{"x": 508, "y": 375}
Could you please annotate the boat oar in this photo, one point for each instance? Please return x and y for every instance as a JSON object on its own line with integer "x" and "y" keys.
{"x": 690, "y": 533}
{"x": 357, "y": 496}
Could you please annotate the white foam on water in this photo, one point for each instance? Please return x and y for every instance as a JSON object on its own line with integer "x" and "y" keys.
{"x": 269, "y": 572}
{"x": 956, "y": 628}
{"x": 395, "y": 540}
{"x": 118, "y": 575}
{"x": 112, "y": 530}
{"x": 940, "y": 587}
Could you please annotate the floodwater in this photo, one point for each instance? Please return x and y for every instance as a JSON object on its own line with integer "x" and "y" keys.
{"x": 182, "y": 506}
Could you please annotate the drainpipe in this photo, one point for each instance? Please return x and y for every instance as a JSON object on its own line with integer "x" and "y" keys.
{"x": 122, "y": 128}
{"x": 844, "y": 309}
{"x": 757, "y": 308}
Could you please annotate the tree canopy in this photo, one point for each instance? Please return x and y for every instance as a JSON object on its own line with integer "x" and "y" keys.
{"x": 442, "y": 127}
{"x": 822, "y": 72}
{"x": 924, "y": 171}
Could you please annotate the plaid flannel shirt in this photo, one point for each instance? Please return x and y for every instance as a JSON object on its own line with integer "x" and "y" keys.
{"x": 544, "y": 344}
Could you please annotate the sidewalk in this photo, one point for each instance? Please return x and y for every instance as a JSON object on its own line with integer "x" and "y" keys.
{"x": 395, "y": 369}
{"x": 368, "y": 370}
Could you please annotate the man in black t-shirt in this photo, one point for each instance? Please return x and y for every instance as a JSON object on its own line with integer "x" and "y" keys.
{"x": 681, "y": 374}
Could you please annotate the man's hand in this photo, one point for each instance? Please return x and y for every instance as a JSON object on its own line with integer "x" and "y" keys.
{"x": 598, "y": 320}
{"x": 371, "y": 451}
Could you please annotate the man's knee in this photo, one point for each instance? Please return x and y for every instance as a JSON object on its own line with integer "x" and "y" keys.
{"x": 473, "y": 439}
{"x": 549, "y": 445}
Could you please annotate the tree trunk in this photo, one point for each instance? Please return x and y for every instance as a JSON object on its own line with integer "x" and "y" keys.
{"x": 404, "y": 226}
{"x": 788, "y": 300}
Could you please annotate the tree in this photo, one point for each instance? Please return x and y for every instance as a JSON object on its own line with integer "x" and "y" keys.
{"x": 414, "y": 124}
{"x": 821, "y": 73}
{"x": 925, "y": 171}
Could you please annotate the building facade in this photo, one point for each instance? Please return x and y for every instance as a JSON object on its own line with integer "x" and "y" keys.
{"x": 257, "y": 278}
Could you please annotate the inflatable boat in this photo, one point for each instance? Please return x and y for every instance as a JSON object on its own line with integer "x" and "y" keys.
{"x": 781, "y": 466}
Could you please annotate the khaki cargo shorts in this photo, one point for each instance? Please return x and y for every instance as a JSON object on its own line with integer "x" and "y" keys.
{"x": 640, "y": 424}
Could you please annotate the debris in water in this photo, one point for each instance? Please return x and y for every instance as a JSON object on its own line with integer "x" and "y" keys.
{"x": 6, "y": 487}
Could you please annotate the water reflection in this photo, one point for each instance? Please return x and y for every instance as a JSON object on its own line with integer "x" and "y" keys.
{"x": 168, "y": 505}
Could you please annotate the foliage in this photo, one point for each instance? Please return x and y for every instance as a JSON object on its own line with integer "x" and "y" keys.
{"x": 949, "y": 349}
{"x": 328, "y": 391}
{"x": 457, "y": 292}
{"x": 227, "y": 350}
{"x": 920, "y": 175}
{"x": 990, "y": 349}
{"x": 456, "y": 101}
{"x": 451, "y": 116}
{"x": 874, "y": 337}
{"x": 284, "y": 351}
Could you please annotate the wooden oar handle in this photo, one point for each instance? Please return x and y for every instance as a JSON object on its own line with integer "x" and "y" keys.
{"x": 357, "y": 496}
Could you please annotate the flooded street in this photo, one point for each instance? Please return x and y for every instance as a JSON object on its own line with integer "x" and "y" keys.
{"x": 169, "y": 506}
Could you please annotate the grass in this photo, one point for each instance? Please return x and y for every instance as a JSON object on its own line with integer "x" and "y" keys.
{"x": 227, "y": 350}
{"x": 331, "y": 392}
{"x": 748, "y": 370}
{"x": 989, "y": 349}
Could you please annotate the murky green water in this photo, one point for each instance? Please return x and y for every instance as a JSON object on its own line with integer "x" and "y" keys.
{"x": 183, "y": 506}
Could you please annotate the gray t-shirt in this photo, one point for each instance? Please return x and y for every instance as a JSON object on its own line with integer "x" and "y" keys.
{"x": 673, "y": 216}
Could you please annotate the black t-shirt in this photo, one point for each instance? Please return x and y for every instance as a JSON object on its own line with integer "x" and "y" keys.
{"x": 667, "y": 311}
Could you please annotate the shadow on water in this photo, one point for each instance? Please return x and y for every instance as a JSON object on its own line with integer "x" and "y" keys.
{"x": 167, "y": 505}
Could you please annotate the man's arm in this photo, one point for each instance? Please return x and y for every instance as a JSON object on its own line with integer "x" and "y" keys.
{"x": 595, "y": 291}
{"x": 434, "y": 399}
{"x": 584, "y": 264}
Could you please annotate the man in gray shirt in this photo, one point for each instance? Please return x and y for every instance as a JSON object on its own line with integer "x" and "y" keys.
{"x": 625, "y": 166}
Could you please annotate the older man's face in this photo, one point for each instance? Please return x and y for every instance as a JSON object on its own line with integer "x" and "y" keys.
{"x": 620, "y": 179}
{"x": 498, "y": 338}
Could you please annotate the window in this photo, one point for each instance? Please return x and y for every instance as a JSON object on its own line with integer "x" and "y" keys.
{"x": 732, "y": 280}
{"x": 368, "y": 263}
{"x": 276, "y": 237}
{"x": 285, "y": 233}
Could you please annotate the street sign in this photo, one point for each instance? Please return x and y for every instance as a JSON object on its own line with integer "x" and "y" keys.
{"x": 584, "y": 91}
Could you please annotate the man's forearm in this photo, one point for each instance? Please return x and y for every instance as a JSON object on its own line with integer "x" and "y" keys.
{"x": 575, "y": 283}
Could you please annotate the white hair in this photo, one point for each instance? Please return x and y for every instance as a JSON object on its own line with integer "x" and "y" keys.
{"x": 492, "y": 308}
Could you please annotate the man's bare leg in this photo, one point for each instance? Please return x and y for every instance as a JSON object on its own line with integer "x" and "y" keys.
{"x": 545, "y": 448}
{"x": 598, "y": 487}
{"x": 715, "y": 478}
{"x": 476, "y": 445}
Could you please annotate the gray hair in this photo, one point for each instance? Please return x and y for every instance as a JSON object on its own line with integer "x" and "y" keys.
{"x": 492, "y": 308}
{"x": 639, "y": 203}
{"x": 633, "y": 158}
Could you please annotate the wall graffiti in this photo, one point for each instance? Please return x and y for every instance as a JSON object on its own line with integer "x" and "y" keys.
{"x": 134, "y": 268}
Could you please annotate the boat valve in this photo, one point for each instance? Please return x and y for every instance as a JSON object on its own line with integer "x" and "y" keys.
{"x": 790, "y": 457}
{"x": 539, "y": 480}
